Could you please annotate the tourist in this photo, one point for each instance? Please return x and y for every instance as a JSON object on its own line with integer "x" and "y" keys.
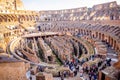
{"x": 89, "y": 74}
{"x": 77, "y": 68}
{"x": 65, "y": 73}
{"x": 62, "y": 76}
{"x": 30, "y": 77}
{"x": 75, "y": 73}
{"x": 109, "y": 62}
{"x": 95, "y": 76}
{"x": 81, "y": 73}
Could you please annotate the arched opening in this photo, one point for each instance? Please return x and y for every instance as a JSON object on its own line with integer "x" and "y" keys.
{"x": 90, "y": 33}
{"x": 8, "y": 20}
{"x": 27, "y": 17}
{"x": 93, "y": 36}
{"x": 50, "y": 58}
{"x": 96, "y": 34}
{"x": 112, "y": 17}
{"x": 112, "y": 42}
{"x": 99, "y": 35}
{"x": 39, "y": 28}
{"x": 103, "y": 36}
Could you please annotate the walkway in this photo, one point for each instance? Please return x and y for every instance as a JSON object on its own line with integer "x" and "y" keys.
{"x": 74, "y": 78}
{"x": 70, "y": 78}
{"x": 40, "y": 34}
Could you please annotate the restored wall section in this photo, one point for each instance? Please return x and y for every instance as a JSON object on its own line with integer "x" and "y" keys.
{"x": 12, "y": 71}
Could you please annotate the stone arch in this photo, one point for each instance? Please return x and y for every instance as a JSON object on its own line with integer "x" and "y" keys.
{"x": 19, "y": 18}
{"x": 33, "y": 18}
{"x": 84, "y": 32}
{"x": 96, "y": 34}
{"x": 27, "y": 18}
{"x": 90, "y": 33}
{"x": 9, "y": 18}
{"x": 30, "y": 17}
{"x": 15, "y": 17}
{"x": 0, "y": 20}
{"x": 81, "y": 31}
{"x": 112, "y": 17}
{"x": 109, "y": 39}
{"x": 3, "y": 18}
{"x": 12, "y": 17}
{"x": 93, "y": 35}
{"x": 100, "y": 36}
{"x": 106, "y": 39}
{"x": 87, "y": 32}
{"x": 112, "y": 42}
{"x": 36, "y": 17}
{"x": 22, "y": 17}
{"x": 103, "y": 36}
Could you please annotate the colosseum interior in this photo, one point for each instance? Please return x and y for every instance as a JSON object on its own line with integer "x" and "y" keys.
{"x": 70, "y": 44}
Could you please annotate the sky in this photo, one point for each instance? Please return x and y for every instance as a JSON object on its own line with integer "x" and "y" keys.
{"x": 61, "y": 4}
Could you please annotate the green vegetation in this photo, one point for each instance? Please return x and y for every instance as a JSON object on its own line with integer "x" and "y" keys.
{"x": 30, "y": 45}
{"x": 90, "y": 47}
{"x": 40, "y": 54}
{"x": 58, "y": 60}
{"x": 75, "y": 51}
{"x": 81, "y": 51}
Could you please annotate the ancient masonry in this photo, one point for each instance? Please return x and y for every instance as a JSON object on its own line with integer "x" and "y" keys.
{"x": 49, "y": 36}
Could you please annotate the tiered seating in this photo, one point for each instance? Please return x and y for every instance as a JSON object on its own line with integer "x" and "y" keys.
{"x": 28, "y": 25}
{"x": 108, "y": 33}
{"x": 101, "y": 48}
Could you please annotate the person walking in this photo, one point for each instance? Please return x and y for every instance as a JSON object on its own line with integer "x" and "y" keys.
{"x": 62, "y": 76}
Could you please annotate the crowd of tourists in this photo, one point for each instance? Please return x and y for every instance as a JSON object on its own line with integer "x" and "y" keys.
{"x": 87, "y": 72}
{"x": 77, "y": 66}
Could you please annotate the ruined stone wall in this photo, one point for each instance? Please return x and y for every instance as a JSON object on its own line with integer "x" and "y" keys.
{"x": 106, "y": 11}
{"x": 19, "y": 5}
{"x": 105, "y": 5}
{"x": 108, "y": 33}
{"x": 14, "y": 22}
{"x": 12, "y": 71}
{"x": 11, "y": 5}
